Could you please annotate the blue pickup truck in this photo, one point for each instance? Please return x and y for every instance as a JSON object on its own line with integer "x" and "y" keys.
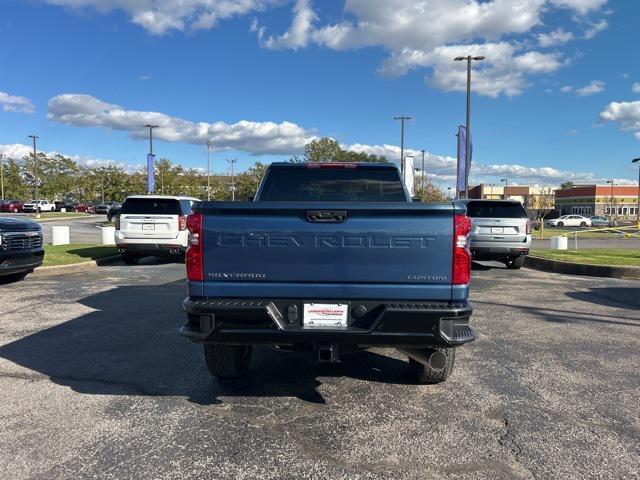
{"x": 329, "y": 258}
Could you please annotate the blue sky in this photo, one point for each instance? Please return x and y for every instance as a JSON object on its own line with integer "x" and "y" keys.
{"x": 554, "y": 101}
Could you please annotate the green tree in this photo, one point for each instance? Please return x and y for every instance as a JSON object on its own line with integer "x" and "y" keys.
{"x": 329, "y": 150}
{"x": 566, "y": 185}
{"x": 247, "y": 183}
{"x": 14, "y": 185}
{"x": 431, "y": 193}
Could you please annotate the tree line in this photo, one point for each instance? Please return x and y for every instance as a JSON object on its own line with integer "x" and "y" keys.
{"x": 60, "y": 178}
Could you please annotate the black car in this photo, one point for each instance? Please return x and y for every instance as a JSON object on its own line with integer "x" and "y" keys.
{"x": 21, "y": 249}
{"x": 113, "y": 212}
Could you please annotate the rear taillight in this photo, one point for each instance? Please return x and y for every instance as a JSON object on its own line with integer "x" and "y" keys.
{"x": 116, "y": 222}
{"x": 182, "y": 222}
{"x": 193, "y": 257}
{"x": 528, "y": 227}
{"x": 461, "y": 255}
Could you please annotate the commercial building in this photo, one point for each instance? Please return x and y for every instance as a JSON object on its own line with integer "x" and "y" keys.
{"x": 535, "y": 199}
{"x": 619, "y": 202}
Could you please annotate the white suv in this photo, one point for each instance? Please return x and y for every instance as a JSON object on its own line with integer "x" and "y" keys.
{"x": 153, "y": 225}
{"x": 41, "y": 205}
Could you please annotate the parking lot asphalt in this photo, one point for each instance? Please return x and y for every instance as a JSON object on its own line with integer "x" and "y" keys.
{"x": 81, "y": 229}
{"x": 96, "y": 383}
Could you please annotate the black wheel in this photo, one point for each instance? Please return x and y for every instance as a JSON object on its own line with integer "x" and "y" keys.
{"x": 441, "y": 365}
{"x": 561, "y": 224}
{"x": 583, "y": 224}
{"x": 227, "y": 361}
{"x": 515, "y": 263}
{"x": 14, "y": 277}
{"x": 130, "y": 258}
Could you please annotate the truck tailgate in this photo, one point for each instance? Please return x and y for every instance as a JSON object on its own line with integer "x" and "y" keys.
{"x": 281, "y": 242}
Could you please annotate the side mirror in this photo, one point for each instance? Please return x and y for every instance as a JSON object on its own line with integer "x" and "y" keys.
{"x": 416, "y": 199}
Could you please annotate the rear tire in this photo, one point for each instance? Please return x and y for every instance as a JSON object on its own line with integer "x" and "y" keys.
{"x": 583, "y": 224}
{"x": 561, "y": 224}
{"x": 227, "y": 361}
{"x": 426, "y": 374}
{"x": 130, "y": 258}
{"x": 515, "y": 263}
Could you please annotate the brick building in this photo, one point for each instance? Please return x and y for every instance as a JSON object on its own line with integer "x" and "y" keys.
{"x": 619, "y": 202}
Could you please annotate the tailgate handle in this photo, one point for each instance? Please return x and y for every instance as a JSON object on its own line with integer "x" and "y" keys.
{"x": 326, "y": 216}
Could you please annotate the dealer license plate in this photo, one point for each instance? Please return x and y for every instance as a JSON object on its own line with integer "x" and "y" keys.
{"x": 147, "y": 226}
{"x": 325, "y": 314}
{"x": 497, "y": 230}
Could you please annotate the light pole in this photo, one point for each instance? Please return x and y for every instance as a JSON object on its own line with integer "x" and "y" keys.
{"x": 35, "y": 172}
{"x": 2, "y": 155}
{"x": 506, "y": 185}
{"x": 233, "y": 184}
{"x": 635, "y": 160}
{"x": 611, "y": 207}
{"x": 467, "y": 146}
{"x": 150, "y": 127}
{"x": 402, "y": 119}
{"x": 422, "y": 151}
{"x": 449, "y": 188}
{"x": 209, "y": 169}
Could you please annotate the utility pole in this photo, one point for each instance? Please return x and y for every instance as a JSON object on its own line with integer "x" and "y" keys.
{"x": 402, "y": 119}
{"x": 209, "y": 143}
{"x": 634, "y": 161}
{"x": 422, "y": 151}
{"x": 102, "y": 184}
{"x": 233, "y": 184}
{"x": 467, "y": 146}
{"x": 35, "y": 172}
{"x": 150, "y": 127}
{"x": 611, "y": 206}
{"x": 506, "y": 185}
{"x": 2, "y": 155}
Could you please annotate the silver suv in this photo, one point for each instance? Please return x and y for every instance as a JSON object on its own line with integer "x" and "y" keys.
{"x": 500, "y": 230}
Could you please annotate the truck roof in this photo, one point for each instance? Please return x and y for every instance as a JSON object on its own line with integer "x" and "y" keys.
{"x": 383, "y": 166}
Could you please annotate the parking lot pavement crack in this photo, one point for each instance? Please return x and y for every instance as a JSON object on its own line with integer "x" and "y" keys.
{"x": 508, "y": 441}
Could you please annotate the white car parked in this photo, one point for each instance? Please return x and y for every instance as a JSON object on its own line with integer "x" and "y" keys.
{"x": 569, "y": 221}
{"x": 153, "y": 225}
{"x": 42, "y": 205}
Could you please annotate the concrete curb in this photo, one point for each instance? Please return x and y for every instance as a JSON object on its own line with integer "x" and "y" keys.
{"x": 62, "y": 219}
{"x": 568, "y": 268}
{"x": 74, "y": 267}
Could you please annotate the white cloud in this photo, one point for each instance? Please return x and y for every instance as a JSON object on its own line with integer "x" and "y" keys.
{"x": 594, "y": 86}
{"x": 581, "y": 7}
{"x": 572, "y": 131}
{"x": 625, "y": 114}
{"x": 15, "y": 103}
{"x": 566, "y": 89}
{"x": 257, "y": 138}
{"x": 442, "y": 169}
{"x": 596, "y": 28}
{"x": 161, "y": 16}
{"x": 636, "y": 87}
{"x": 145, "y": 77}
{"x": 298, "y": 34}
{"x": 556, "y": 37}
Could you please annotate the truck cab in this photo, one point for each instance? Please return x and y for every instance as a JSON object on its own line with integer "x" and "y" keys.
{"x": 329, "y": 258}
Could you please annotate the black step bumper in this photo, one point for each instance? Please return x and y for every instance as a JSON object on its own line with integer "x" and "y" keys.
{"x": 383, "y": 323}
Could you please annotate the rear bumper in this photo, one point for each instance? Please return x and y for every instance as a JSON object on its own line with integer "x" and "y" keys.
{"x": 491, "y": 250}
{"x": 271, "y": 321}
{"x": 20, "y": 262}
{"x": 152, "y": 248}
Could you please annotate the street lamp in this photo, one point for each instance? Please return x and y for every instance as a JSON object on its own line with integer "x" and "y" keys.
{"x": 35, "y": 173}
{"x": 150, "y": 127}
{"x": 611, "y": 207}
{"x": 635, "y": 160}
{"x": 209, "y": 143}
{"x": 2, "y": 155}
{"x": 467, "y": 146}
{"x": 233, "y": 183}
{"x": 422, "y": 151}
{"x": 402, "y": 119}
{"x": 506, "y": 185}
